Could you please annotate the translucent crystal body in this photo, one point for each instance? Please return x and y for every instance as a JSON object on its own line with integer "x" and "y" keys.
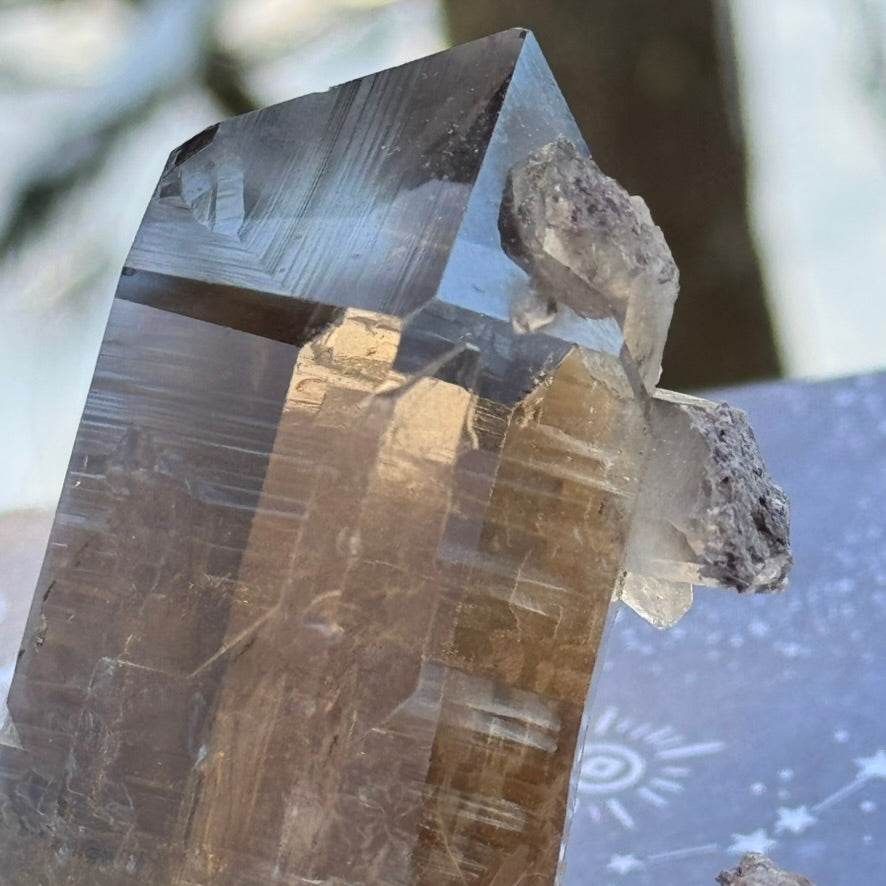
{"x": 340, "y": 532}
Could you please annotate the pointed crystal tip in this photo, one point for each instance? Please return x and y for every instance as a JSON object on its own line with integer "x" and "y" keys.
{"x": 342, "y": 526}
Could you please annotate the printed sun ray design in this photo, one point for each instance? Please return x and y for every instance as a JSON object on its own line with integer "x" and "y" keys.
{"x": 372, "y": 444}
{"x": 788, "y": 821}
{"x": 622, "y": 759}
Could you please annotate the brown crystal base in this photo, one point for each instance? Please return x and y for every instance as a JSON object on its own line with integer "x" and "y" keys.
{"x": 345, "y": 638}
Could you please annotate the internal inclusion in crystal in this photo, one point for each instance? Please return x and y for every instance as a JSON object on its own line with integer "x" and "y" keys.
{"x": 372, "y": 442}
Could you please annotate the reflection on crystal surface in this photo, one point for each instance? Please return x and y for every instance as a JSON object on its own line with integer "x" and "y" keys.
{"x": 338, "y": 540}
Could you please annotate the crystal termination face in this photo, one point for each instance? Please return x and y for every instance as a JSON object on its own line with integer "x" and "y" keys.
{"x": 372, "y": 443}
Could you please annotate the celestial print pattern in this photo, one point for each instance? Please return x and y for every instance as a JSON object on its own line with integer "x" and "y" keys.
{"x": 757, "y": 724}
{"x": 621, "y": 754}
{"x": 624, "y": 864}
{"x": 795, "y": 820}
{"x": 757, "y": 841}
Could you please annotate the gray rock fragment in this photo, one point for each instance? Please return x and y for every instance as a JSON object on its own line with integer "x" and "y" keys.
{"x": 747, "y": 521}
{"x": 589, "y": 245}
{"x": 757, "y": 870}
{"x": 709, "y": 512}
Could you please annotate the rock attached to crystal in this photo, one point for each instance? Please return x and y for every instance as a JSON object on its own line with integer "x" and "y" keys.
{"x": 589, "y": 245}
{"x": 339, "y": 537}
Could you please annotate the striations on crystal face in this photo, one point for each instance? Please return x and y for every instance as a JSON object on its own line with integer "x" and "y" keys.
{"x": 371, "y": 445}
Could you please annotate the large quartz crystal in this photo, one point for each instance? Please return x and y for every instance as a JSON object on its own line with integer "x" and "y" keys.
{"x": 372, "y": 443}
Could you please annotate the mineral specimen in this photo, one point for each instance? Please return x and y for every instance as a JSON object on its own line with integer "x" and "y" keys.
{"x": 372, "y": 441}
{"x": 757, "y": 870}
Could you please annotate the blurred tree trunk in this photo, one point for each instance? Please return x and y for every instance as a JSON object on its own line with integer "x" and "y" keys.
{"x": 652, "y": 86}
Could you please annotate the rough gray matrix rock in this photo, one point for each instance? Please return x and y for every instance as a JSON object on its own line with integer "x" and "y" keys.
{"x": 709, "y": 512}
{"x": 748, "y": 518}
{"x": 591, "y": 246}
{"x": 757, "y": 870}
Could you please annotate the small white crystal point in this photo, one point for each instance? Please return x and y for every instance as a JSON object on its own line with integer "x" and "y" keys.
{"x": 661, "y": 602}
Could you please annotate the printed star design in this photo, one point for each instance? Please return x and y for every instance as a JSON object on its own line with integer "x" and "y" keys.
{"x": 756, "y": 841}
{"x": 789, "y": 650}
{"x": 872, "y": 767}
{"x": 796, "y": 820}
{"x": 624, "y": 864}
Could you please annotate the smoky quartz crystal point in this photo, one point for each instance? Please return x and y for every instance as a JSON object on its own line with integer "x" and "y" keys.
{"x": 372, "y": 444}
